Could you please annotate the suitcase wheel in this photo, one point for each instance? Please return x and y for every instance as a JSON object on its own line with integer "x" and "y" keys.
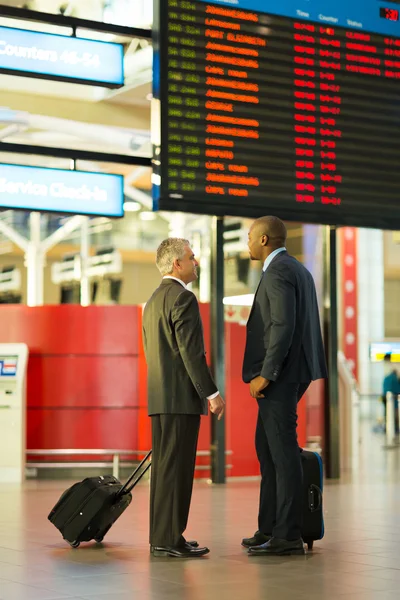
{"x": 310, "y": 544}
{"x": 74, "y": 544}
{"x": 99, "y": 539}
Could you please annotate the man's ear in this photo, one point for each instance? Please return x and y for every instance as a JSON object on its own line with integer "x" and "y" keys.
{"x": 264, "y": 240}
{"x": 177, "y": 264}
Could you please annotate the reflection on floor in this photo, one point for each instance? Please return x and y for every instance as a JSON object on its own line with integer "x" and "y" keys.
{"x": 357, "y": 560}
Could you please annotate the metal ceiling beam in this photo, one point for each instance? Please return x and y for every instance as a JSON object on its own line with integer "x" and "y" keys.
{"x": 124, "y": 159}
{"x": 11, "y": 130}
{"x": 138, "y": 196}
{"x": 13, "y": 235}
{"x": 26, "y": 14}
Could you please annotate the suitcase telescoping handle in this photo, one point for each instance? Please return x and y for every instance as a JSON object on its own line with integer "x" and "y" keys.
{"x": 136, "y": 476}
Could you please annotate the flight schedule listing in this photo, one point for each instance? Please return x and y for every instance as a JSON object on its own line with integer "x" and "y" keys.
{"x": 263, "y": 113}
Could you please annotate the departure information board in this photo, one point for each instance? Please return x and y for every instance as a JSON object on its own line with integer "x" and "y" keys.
{"x": 297, "y": 115}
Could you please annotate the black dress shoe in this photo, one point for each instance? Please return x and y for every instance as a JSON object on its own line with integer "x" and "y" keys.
{"x": 185, "y": 551}
{"x": 192, "y": 543}
{"x": 257, "y": 539}
{"x": 278, "y": 547}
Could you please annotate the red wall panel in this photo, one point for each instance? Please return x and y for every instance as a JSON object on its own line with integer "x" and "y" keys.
{"x": 82, "y": 428}
{"x": 82, "y": 360}
{"x": 144, "y": 422}
{"x": 82, "y": 381}
{"x": 71, "y": 329}
{"x": 87, "y": 380}
{"x": 348, "y": 259}
{"x": 242, "y": 409}
{"x": 316, "y": 411}
{"x": 205, "y": 425}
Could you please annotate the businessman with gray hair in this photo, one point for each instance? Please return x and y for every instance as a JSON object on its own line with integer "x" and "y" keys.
{"x": 180, "y": 387}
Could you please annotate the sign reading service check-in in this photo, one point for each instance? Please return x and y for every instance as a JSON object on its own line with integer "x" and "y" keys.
{"x": 61, "y": 57}
{"x": 61, "y": 191}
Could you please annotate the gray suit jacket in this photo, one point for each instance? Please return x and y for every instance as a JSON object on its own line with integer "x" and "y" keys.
{"x": 284, "y": 337}
{"x": 179, "y": 380}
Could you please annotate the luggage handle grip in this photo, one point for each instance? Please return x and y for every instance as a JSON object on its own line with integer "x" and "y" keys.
{"x": 126, "y": 488}
{"x": 316, "y": 492}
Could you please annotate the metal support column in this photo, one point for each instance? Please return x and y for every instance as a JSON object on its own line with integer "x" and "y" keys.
{"x": 85, "y": 245}
{"x": 35, "y": 262}
{"x": 330, "y": 326}
{"x": 218, "y": 346}
{"x": 205, "y": 259}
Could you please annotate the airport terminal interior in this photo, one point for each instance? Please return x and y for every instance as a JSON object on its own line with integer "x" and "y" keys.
{"x": 122, "y": 123}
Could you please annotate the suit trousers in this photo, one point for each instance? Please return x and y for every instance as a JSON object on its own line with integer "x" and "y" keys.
{"x": 280, "y": 510}
{"x": 174, "y": 439}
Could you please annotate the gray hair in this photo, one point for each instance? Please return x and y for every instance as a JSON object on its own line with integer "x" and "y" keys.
{"x": 168, "y": 251}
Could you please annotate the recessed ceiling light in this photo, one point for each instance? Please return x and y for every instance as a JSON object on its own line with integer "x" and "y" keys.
{"x": 132, "y": 206}
{"x": 147, "y": 216}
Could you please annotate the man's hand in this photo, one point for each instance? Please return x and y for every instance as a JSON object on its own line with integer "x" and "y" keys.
{"x": 217, "y": 406}
{"x": 257, "y": 385}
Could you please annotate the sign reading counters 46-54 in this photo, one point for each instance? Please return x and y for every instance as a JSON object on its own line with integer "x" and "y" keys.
{"x": 61, "y": 191}
{"x": 289, "y": 107}
{"x": 49, "y": 56}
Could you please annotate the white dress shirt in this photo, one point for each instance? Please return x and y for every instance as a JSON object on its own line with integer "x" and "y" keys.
{"x": 176, "y": 279}
{"x": 185, "y": 286}
{"x": 271, "y": 257}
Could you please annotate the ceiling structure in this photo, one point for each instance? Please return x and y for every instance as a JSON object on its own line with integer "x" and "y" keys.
{"x": 132, "y": 13}
{"x": 82, "y": 117}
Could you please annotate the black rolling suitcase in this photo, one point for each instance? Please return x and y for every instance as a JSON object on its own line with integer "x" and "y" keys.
{"x": 88, "y": 509}
{"x": 313, "y": 518}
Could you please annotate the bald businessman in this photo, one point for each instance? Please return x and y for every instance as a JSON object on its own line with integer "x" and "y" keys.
{"x": 284, "y": 353}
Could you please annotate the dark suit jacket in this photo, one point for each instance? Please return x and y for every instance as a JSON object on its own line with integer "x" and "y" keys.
{"x": 283, "y": 331}
{"x": 179, "y": 380}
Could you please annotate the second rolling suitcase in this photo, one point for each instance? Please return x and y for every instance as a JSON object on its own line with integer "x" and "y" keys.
{"x": 313, "y": 518}
{"x": 88, "y": 509}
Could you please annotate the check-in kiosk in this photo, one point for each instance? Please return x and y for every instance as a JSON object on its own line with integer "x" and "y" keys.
{"x": 13, "y": 368}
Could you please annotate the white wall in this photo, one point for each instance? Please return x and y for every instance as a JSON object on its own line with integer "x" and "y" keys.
{"x": 371, "y": 307}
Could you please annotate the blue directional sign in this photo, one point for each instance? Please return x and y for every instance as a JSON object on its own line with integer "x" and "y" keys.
{"x": 378, "y": 16}
{"x": 61, "y": 191}
{"x": 61, "y": 57}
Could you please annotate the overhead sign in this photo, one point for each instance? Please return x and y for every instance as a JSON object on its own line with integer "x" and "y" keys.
{"x": 61, "y": 191}
{"x": 289, "y": 108}
{"x": 51, "y": 56}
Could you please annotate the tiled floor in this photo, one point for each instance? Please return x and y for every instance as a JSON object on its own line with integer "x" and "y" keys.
{"x": 359, "y": 559}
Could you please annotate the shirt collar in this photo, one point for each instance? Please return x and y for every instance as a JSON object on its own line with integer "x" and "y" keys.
{"x": 271, "y": 257}
{"x": 176, "y": 279}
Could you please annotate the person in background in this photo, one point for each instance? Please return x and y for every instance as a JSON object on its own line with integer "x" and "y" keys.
{"x": 180, "y": 387}
{"x": 391, "y": 384}
{"x": 284, "y": 353}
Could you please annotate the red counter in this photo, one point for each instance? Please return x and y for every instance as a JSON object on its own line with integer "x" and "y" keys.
{"x": 87, "y": 382}
{"x": 82, "y": 374}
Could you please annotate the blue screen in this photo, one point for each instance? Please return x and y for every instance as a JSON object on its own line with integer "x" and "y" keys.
{"x": 56, "y": 190}
{"x": 61, "y": 56}
{"x": 357, "y": 14}
{"x": 8, "y": 366}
